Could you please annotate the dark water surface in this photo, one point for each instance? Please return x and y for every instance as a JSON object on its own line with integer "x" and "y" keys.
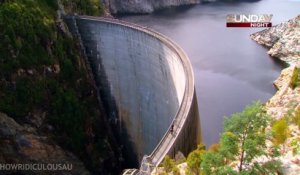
{"x": 230, "y": 69}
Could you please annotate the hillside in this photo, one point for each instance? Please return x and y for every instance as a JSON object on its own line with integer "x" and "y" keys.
{"x": 49, "y": 110}
{"x": 283, "y": 43}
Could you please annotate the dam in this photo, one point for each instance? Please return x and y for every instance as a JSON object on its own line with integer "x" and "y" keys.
{"x": 146, "y": 84}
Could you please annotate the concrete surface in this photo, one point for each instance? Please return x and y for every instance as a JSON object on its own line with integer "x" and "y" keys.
{"x": 146, "y": 83}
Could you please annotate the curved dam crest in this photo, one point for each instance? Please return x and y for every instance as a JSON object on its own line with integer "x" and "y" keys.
{"x": 146, "y": 84}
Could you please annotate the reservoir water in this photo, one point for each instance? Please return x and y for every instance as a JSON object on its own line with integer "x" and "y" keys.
{"x": 230, "y": 69}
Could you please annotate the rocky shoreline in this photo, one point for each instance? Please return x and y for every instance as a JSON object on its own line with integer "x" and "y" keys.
{"x": 143, "y": 6}
{"x": 283, "y": 42}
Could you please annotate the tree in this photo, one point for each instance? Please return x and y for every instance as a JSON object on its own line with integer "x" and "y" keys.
{"x": 243, "y": 140}
{"x": 216, "y": 161}
{"x": 212, "y": 163}
{"x": 269, "y": 167}
{"x": 247, "y": 137}
{"x": 228, "y": 146}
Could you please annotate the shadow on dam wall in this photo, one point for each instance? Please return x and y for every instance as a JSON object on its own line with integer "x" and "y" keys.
{"x": 145, "y": 86}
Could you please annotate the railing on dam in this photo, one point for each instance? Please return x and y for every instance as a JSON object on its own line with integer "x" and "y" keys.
{"x": 166, "y": 145}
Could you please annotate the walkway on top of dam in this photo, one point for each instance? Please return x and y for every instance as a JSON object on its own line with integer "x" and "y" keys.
{"x": 165, "y": 145}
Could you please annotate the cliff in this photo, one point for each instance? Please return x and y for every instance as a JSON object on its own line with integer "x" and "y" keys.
{"x": 283, "y": 43}
{"x": 143, "y": 6}
{"x": 22, "y": 144}
{"x": 282, "y": 40}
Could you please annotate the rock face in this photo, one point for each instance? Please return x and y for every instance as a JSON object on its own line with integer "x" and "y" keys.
{"x": 143, "y": 6}
{"x": 21, "y": 144}
{"x": 286, "y": 103}
{"x": 287, "y": 97}
{"x": 283, "y": 41}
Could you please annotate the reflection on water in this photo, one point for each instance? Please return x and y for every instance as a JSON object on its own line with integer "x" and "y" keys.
{"x": 230, "y": 70}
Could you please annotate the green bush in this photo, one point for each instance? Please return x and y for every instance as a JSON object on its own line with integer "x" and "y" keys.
{"x": 296, "y": 118}
{"x": 52, "y": 3}
{"x": 68, "y": 117}
{"x": 175, "y": 170}
{"x": 23, "y": 43}
{"x": 295, "y": 144}
{"x": 280, "y": 131}
{"x": 295, "y": 78}
{"x": 211, "y": 163}
{"x": 68, "y": 70}
{"x": 276, "y": 151}
{"x": 86, "y": 7}
{"x": 168, "y": 164}
{"x": 194, "y": 159}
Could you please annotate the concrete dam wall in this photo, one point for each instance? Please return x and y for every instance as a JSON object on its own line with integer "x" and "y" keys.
{"x": 146, "y": 84}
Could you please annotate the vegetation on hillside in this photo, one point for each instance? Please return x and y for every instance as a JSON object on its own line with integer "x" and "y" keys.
{"x": 295, "y": 79}
{"x": 170, "y": 165}
{"x": 83, "y": 7}
{"x": 280, "y": 131}
{"x": 42, "y": 74}
{"x": 242, "y": 146}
